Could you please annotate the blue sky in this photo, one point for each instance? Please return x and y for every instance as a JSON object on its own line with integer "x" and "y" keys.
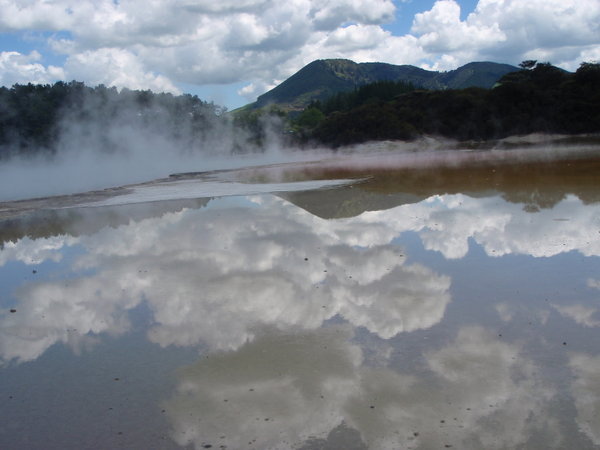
{"x": 233, "y": 50}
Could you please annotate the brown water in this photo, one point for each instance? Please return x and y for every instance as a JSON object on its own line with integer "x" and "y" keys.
{"x": 420, "y": 306}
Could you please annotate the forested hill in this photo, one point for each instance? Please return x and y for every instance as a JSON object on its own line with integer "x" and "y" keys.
{"x": 538, "y": 98}
{"x": 323, "y": 78}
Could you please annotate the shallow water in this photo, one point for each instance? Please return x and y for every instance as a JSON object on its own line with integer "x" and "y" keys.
{"x": 416, "y": 307}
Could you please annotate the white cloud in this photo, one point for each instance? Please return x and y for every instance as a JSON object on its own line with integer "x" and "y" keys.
{"x": 34, "y": 15}
{"x": 561, "y": 31}
{"x": 440, "y": 30}
{"x": 224, "y": 6}
{"x": 331, "y": 14}
{"x": 161, "y": 43}
{"x": 18, "y": 68}
{"x": 115, "y": 67}
{"x": 356, "y": 37}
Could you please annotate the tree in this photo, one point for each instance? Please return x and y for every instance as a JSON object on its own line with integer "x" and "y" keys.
{"x": 528, "y": 64}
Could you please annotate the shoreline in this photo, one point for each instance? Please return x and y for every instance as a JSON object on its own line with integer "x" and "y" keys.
{"x": 353, "y": 161}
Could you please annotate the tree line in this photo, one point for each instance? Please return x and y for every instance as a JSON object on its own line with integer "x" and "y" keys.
{"x": 538, "y": 98}
{"x": 34, "y": 117}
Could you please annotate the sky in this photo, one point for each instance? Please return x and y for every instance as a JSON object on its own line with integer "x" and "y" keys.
{"x": 231, "y": 51}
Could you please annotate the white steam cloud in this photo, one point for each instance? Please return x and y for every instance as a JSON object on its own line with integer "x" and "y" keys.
{"x": 112, "y": 142}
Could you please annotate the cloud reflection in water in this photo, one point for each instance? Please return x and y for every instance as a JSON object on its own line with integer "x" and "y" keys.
{"x": 282, "y": 389}
{"x": 256, "y": 282}
{"x": 211, "y": 276}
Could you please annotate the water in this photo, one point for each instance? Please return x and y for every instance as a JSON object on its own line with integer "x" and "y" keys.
{"x": 360, "y": 305}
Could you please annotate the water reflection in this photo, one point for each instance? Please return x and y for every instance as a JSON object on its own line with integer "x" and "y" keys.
{"x": 281, "y": 389}
{"x": 446, "y": 223}
{"x": 370, "y": 331}
{"x": 213, "y": 275}
{"x": 585, "y": 388}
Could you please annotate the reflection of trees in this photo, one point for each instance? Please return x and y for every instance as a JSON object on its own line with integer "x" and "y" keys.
{"x": 535, "y": 200}
{"x": 539, "y": 184}
{"x": 284, "y": 389}
{"x": 45, "y": 223}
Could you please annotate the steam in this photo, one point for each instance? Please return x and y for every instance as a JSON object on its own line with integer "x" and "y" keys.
{"x": 113, "y": 139}
{"x": 104, "y": 144}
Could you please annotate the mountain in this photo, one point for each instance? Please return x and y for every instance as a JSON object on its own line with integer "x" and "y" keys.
{"x": 322, "y": 78}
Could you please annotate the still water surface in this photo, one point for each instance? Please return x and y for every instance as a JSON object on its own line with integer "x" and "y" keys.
{"x": 422, "y": 308}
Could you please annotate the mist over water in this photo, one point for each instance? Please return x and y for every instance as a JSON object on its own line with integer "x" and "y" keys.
{"x": 107, "y": 139}
{"x": 146, "y": 159}
{"x": 107, "y": 143}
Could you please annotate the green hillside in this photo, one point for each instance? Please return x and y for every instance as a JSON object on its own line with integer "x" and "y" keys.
{"x": 321, "y": 79}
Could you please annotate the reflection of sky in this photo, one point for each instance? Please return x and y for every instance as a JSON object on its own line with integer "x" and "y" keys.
{"x": 446, "y": 223}
{"x": 245, "y": 262}
{"x": 211, "y": 276}
{"x": 281, "y": 389}
{"x": 585, "y": 389}
{"x": 256, "y": 282}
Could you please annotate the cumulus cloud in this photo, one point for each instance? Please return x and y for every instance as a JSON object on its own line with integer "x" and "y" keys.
{"x": 159, "y": 44}
{"x": 559, "y": 31}
{"x": 331, "y": 14}
{"x": 16, "y": 67}
{"x": 440, "y": 30}
{"x": 116, "y": 67}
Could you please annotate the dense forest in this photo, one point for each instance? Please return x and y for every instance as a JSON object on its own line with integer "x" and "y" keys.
{"x": 43, "y": 119}
{"x": 538, "y": 98}
{"x": 40, "y": 118}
